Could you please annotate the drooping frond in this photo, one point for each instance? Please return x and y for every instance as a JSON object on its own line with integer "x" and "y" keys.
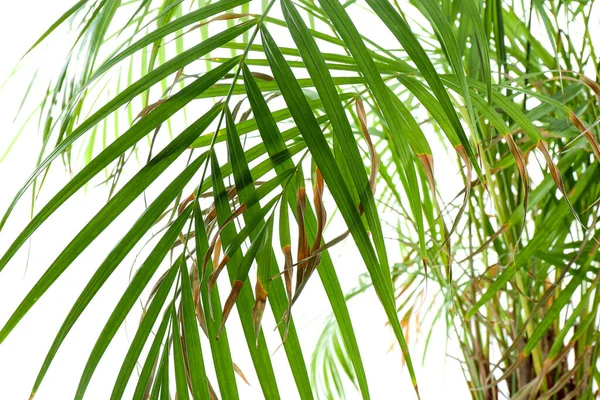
{"x": 459, "y": 155}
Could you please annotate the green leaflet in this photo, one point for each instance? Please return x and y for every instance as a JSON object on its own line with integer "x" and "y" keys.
{"x": 554, "y": 311}
{"x": 98, "y": 223}
{"x": 409, "y": 42}
{"x": 266, "y": 262}
{"x": 123, "y": 307}
{"x": 325, "y": 86}
{"x": 133, "y": 90}
{"x": 259, "y": 354}
{"x": 270, "y": 86}
{"x": 323, "y": 157}
{"x": 510, "y": 252}
{"x": 178, "y": 358}
{"x": 149, "y": 217}
{"x": 221, "y": 354}
{"x": 252, "y": 225}
{"x": 142, "y": 334}
{"x": 171, "y": 27}
{"x": 419, "y": 90}
{"x": 450, "y": 46}
{"x": 539, "y": 240}
{"x": 153, "y": 170}
{"x": 71, "y": 11}
{"x": 151, "y": 358}
{"x": 482, "y": 41}
{"x": 192, "y": 338}
{"x": 250, "y": 125}
{"x": 415, "y": 136}
{"x": 112, "y": 152}
{"x": 275, "y": 145}
{"x": 160, "y": 389}
{"x": 364, "y": 60}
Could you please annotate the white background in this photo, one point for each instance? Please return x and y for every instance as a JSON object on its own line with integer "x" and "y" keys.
{"x": 22, "y": 352}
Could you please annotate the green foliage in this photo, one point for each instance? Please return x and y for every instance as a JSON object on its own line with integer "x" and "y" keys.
{"x": 337, "y": 123}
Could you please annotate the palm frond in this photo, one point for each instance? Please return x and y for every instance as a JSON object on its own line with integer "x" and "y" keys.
{"x": 244, "y": 111}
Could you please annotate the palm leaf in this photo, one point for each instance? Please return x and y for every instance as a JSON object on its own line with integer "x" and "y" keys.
{"x": 343, "y": 128}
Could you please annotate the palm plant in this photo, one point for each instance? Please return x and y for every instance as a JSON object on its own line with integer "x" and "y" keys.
{"x": 502, "y": 92}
